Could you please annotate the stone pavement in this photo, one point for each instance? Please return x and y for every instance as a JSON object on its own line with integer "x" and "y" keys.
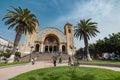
{"x": 9, "y": 72}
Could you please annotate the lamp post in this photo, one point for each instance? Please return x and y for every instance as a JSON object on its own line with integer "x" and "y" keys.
{"x": 31, "y": 53}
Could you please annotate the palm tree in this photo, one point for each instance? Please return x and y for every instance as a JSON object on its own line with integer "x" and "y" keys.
{"x": 22, "y": 21}
{"x": 84, "y": 30}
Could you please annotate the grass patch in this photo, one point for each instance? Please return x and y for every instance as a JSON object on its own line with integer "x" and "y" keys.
{"x": 14, "y": 63}
{"x": 69, "y": 73}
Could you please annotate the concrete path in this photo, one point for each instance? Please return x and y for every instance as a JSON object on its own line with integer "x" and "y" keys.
{"x": 9, "y": 72}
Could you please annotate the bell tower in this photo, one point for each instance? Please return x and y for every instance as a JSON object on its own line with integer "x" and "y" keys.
{"x": 69, "y": 38}
{"x": 29, "y": 41}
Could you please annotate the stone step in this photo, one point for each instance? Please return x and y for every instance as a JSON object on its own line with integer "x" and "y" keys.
{"x": 43, "y": 56}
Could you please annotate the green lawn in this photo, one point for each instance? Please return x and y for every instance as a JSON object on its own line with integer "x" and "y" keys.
{"x": 69, "y": 73}
{"x": 14, "y": 63}
{"x": 101, "y": 61}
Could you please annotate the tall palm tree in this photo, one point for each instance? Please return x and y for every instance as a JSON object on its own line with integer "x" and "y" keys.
{"x": 22, "y": 21}
{"x": 84, "y": 30}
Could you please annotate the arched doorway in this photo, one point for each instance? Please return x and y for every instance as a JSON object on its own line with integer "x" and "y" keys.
{"x": 63, "y": 49}
{"x": 37, "y": 48}
{"x": 46, "y": 48}
{"x": 55, "y": 48}
{"x": 50, "y": 49}
{"x": 52, "y": 42}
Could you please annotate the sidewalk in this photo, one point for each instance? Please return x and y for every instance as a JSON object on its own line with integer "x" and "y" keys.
{"x": 9, "y": 72}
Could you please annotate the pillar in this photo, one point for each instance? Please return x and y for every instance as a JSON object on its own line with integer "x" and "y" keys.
{"x": 42, "y": 47}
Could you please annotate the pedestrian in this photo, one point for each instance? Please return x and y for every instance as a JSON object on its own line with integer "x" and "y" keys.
{"x": 60, "y": 60}
{"x": 32, "y": 61}
{"x": 54, "y": 60}
{"x": 69, "y": 61}
{"x": 35, "y": 59}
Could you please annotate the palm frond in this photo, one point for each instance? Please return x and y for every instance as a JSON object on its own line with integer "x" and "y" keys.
{"x": 86, "y": 27}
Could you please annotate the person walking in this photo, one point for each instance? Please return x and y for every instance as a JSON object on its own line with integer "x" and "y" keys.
{"x": 54, "y": 60}
{"x": 32, "y": 61}
{"x": 60, "y": 60}
{"x": 69, "y": 61}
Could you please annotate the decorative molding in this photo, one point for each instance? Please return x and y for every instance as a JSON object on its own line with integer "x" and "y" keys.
{"x": 56, "y": 31}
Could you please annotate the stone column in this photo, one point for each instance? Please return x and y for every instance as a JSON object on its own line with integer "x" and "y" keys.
{"x": 39, "y": 47}
{"x": 42, "y": 47}
{"x": 60, "y": 47}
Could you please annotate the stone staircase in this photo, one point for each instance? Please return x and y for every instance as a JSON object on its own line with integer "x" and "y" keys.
{"x": 43, "y": 57}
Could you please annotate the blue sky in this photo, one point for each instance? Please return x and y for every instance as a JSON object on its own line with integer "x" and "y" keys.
{"x": 55, "y": 13}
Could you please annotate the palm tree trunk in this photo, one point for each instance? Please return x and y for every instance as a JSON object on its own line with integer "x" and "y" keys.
{"x": 87, "y": 48}
{"x": 16, "y": 42}
{"x": 88, "y": 54}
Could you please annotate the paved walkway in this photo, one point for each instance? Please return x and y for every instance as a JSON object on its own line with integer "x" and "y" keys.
{"x": 9, "y": 72}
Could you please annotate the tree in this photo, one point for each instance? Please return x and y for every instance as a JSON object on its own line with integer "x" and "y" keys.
{"x": 22, "y": 21}
{"x": 85, "y": 30}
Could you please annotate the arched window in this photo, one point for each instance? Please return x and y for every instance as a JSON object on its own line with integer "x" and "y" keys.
{"x": 69, "y": 30}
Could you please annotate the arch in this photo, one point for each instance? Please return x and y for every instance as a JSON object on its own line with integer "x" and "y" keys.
{"x": 37, "y": 47}
{"x": 52, "y": 41}
{"x": 51, "y": 30}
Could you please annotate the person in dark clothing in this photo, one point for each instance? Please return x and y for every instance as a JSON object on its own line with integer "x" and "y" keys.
{"x": 69, "y": 61}
{"x": 54, "y": 60}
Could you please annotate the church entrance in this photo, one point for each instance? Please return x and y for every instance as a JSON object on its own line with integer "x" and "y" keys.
{"x": 51, "y": 44}
{"x": 37, "y": 48}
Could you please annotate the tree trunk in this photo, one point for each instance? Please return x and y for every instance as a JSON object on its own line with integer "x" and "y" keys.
{"x": 16, "y": 42}
{"x": 87, "y": 48}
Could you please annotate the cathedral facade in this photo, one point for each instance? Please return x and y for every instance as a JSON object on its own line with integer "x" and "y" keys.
{"x": 50, "y": 40}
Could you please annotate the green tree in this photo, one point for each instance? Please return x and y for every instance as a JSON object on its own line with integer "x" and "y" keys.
{"x": 114, "y": 42}
{"x": 22, "y": 21}
{"x": 18, "y": 54}
{"x": 100, "y": 46}
{"x": 84, "y": 30}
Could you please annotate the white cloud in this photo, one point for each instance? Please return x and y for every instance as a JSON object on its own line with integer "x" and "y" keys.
{"x": 94, "y": 8}
{"x": 105, "y": 12}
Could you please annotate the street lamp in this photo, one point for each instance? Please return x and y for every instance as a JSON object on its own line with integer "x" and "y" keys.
{"x": 31, "y": 53}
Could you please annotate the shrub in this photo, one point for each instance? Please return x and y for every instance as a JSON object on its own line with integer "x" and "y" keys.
{"x": 1, "y": 55}
{"x": 18, "y": 54}
{"x": 7, "y": 55}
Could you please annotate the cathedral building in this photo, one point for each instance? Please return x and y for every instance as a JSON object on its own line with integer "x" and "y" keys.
{"x": 50, "y": 40}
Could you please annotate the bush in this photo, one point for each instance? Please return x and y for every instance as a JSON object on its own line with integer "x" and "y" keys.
{"x": 1, "y": 55}
{"x": 18, "y": 54}
{"x": 7, "y": 55}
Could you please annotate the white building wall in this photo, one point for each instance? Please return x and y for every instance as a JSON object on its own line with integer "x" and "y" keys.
{"x": 4, "y": 44}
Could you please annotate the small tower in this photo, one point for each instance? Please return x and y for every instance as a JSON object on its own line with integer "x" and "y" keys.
{"x": 69, "y": 38}
{"x": 29, "y": 41}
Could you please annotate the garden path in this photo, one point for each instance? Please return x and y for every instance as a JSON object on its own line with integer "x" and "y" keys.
{"x": 12, "y": 71}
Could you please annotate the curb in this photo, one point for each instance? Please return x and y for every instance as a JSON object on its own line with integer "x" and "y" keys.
{"x": 97, "y": 64}
{"x": 13, "y": 65}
